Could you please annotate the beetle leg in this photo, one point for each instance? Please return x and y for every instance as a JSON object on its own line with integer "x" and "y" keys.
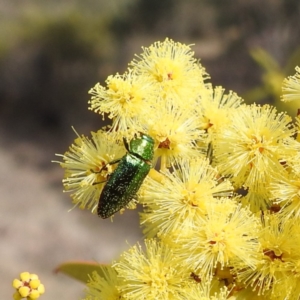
{"x": 126, "y": 145}
{"x": 115, "y": 161}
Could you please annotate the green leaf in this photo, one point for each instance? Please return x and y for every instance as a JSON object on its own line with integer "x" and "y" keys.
{"x": 80, "y": 269}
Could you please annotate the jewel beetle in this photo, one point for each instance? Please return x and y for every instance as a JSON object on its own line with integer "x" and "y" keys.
{"x": 128, "y": 177}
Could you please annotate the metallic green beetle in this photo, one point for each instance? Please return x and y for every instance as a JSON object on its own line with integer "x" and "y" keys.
{"x": 128, "y": 177}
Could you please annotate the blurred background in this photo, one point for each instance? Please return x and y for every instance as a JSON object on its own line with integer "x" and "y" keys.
{"x": 53, "y": 52}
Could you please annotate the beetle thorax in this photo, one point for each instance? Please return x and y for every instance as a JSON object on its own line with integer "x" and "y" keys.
{"x": 142, "y": 146}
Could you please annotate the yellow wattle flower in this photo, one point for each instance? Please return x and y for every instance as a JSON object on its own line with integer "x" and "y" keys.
{"x": 28, "y": 286}
{"x": 291, "y": 87}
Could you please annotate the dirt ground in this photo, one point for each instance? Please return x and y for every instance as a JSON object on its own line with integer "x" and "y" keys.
{"x": 38, "y": 232}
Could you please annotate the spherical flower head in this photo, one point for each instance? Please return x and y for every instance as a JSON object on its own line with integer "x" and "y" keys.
{"x": 256, "y": 199}
{"x": 122, "y": 99}
{"x": 275, "y": 273}
{"x": 175, "y": 132}
{"x": 291, "y": 87}
{"x": 215, "y": 107}
{"x": 87, "y": 167}
{"x": 207, "y": 290}
{"x": 285, "y": 192}
{"x": 228, "y": 237}
{"x": 172, "y": 70}
{"x": 28, "y": 286}
{"x": 297, "y": 123}
{"x": 104, "y": 286}
{"x": 253, "y": 148}
{"x": 175, "y": 204}
{"x": 248, "y": 293}
{"x": 151, "y": 274}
